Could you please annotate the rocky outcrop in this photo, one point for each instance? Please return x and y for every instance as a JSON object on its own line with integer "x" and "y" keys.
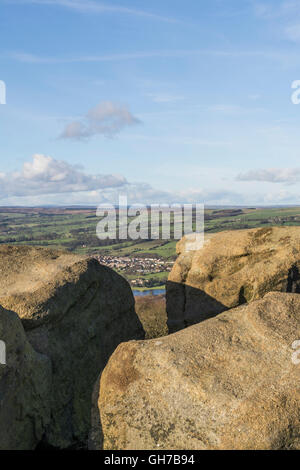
{"x": 151, "y": 310}
{"x": 76, "y": 312}
{"x": 231, "y": 269}
{"x": 25, "y": 387}
{"x": 226, "y": 383}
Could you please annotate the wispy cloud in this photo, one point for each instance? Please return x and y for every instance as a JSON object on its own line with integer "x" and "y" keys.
{"x": 201, "y": 142}
{"x": 285, "y": 15}
{"x": 284, "y": 57}
{"x": 164, "y": 97}
{"x": 272, "y": 10}
{"x": 234, "y": 110}
{"x": 90, "y": 6}
{"x": 272, "y": 175}
{"x": 35, "y": 59}
{"x": 106, "y": 119}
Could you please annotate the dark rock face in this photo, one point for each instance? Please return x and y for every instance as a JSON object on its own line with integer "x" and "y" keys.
{"x": 25, "y": 387}
{"x": 76, "y": 312}
{"x": 233, "y": 268}
{"x": 226, "y": 383}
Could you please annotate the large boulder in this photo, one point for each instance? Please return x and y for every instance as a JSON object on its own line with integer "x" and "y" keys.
{"x": 227, "y": 383}
{"x": 76, "y": 312}
{"x": 232, "y": 268}
{"x": 25, "y": 387}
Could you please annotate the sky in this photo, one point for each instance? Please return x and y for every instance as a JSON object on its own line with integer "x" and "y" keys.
{"x": 173, "y": 101}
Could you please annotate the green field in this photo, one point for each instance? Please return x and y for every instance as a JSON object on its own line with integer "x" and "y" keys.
{"x": 75, "y": 230}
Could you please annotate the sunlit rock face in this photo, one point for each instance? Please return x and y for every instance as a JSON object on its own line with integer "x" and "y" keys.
{"x": 231, "y": 269}
{"x": 229, "y": 382}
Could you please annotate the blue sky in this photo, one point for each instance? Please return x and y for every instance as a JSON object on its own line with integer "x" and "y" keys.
{"x": 166, "y": 101}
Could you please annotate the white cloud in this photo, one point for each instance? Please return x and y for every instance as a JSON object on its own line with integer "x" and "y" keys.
{"x": 45, "y": 180}
{"x": 106, "y": 119}
{"x": 272, "y": 175}
{"x": 45, "y": 175}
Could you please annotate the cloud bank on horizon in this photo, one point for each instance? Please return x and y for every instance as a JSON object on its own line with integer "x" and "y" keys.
{"x": 272, "y": 175}
{"x": 45, "y": 180}
{"x": 48, "y": 177}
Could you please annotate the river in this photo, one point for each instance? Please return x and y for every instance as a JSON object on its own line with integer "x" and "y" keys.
{"x": 139, "y": 293}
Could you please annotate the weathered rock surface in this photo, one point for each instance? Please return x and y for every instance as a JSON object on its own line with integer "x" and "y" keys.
{"x": 232, "y": 268}
{"x": 25, "y": 387}
{"x": 226, "y": 383}
{"x": 76, "y": 312}
{"x": 151, "y": 310}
